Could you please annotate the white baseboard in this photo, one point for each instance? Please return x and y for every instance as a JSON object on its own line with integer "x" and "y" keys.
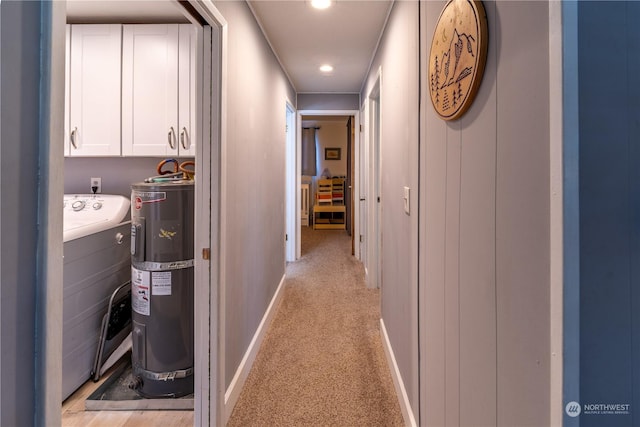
{"x": 233, "y": 392}
{"x": 403, "y": 399}
{"x": 367, "y": 279}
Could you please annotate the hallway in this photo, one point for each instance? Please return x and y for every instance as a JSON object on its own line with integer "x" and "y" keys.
{"x": 322, "y": 361}
{"x": 499, "y": 230}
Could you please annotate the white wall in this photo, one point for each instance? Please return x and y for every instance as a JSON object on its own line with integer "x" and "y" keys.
{"x": 397, "y": 58}
{"x": 484, "y": 253}
{"x": 254, "y": 180}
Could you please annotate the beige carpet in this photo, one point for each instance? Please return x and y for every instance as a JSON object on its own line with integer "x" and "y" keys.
{"x": 322, "y": 361}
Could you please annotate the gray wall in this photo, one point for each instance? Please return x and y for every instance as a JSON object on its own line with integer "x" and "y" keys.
{"x": 609, "y": 158}
{"x": 20, "y": 59}
{"x": 328, "y": 101}
{"x": 484, "y": 253}
{"x": 398, "y": 59}
{"x": 117, "y": 173}
{"x": 254, "y": 172}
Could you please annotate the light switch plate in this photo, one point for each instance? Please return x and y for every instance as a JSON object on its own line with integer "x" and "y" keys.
{"x": 405, "y": 198}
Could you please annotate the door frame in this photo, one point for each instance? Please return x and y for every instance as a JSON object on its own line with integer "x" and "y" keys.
{"x": 363, "y": 155}
{"x": 355, "y": 178}
{"x": 292, "y": 182}
{"x": 373, "y": 132}
{"x": 208, "y": 325}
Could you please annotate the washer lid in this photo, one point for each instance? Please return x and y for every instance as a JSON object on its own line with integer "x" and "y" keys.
{"x": 86, "y": 214}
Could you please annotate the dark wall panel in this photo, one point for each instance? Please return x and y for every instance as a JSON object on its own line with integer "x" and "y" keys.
{"x": 609, "y": 190}
{"x": 20, "y": 59}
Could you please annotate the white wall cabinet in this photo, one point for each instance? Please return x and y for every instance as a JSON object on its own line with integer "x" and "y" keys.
{"x": 187, "y": 91}
{"x": 158, "y": 90}
{"x": 93, "y": 90}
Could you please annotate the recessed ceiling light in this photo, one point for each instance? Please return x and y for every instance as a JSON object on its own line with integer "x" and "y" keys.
{"x": 321, "y": 4}
{"x": 326, "y": 68}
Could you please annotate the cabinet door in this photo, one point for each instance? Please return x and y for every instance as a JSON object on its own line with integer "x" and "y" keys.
{"x": 187, "y": 90}
{"x": 150, "y": 90}
{"x": 94, "y": 90}
{"x": 67, "y": 80}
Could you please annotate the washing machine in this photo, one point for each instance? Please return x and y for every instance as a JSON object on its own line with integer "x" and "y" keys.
{"x": 97, "y": 259}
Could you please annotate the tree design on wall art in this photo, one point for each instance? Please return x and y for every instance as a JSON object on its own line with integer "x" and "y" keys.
{"x": 458, "y": 56}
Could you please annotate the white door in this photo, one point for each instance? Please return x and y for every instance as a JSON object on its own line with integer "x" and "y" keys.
{"x": 150, "y": 90}
{"x": 94, "y": 90}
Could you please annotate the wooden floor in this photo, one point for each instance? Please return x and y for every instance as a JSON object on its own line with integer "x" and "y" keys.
{"x": 74, "y": 415}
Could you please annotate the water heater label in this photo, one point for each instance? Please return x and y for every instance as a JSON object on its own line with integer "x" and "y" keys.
{"x": 161, "y": 282}
{"x": 142, "y": 197}
{"x": 140, "y": 292}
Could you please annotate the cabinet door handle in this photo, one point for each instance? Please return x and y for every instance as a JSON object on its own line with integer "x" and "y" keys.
{"x": 183, "y": 136}
{"x": 74, "y": 133}
{"x": 172, "y": 138}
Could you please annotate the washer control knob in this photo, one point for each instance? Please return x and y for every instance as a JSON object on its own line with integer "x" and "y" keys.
{"x": 97, "y": 205}
{"x": 78, "y": 205}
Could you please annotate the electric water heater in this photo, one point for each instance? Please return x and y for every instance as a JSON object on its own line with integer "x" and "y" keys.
{"x": 162, "y": 279}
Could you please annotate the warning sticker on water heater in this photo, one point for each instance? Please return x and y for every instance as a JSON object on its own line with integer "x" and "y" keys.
{"x": 161, "y": 282}
{"x": 140, "y": 292}
{"x": 142, "y": 197}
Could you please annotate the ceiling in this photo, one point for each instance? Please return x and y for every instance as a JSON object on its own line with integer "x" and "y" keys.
{"x": 123, "y": 11}
{"x": 344, "y": 35}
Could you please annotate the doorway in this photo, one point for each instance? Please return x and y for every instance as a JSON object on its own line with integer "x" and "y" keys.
{"x": 352, "y": 181}
{"x": 209, "y": 109}
{"x": 292, "y": 249}
{"x": 363, "y": 155}
{"x": 373, "y": 159}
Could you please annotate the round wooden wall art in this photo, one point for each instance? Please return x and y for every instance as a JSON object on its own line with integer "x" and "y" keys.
{"x": 458, "y": 56}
